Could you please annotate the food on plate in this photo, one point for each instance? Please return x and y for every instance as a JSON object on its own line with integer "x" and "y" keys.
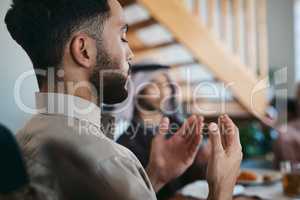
{"x": 247, "y": 176}
{"x": 267, "y": 178}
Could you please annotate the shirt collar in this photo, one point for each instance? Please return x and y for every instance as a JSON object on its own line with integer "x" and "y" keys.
{"x": 68, "y": 105}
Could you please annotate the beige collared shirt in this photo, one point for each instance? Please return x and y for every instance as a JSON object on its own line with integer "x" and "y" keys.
{"x": 77, "y": 121}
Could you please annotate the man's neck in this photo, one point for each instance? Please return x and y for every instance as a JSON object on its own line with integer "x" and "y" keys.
{"x": 83, "y": 92}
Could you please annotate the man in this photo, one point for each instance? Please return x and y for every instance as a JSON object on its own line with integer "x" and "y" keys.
{"x": 84, "y": 43}
{"x": 287, "y": 144}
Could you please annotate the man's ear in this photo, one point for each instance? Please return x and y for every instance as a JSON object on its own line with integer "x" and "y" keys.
{"x": 83, "y": 50}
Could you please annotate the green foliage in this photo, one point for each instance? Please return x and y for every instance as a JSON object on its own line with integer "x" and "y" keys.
{"x": 255, "y": 142}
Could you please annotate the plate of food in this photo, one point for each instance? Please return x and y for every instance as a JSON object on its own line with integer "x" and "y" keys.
{"x": 258, "y": 177}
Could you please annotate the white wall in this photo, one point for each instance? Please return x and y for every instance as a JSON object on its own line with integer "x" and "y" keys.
{"x": 13, "y": 62}
{"x": 297, "y": 38}
{"x": 281, "y": 38}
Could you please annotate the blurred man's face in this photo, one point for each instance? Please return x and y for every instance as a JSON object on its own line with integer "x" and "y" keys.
{"x": 114, "y": 54}
{"x": 155, "y": 96}
{"x": 162, "y": 87}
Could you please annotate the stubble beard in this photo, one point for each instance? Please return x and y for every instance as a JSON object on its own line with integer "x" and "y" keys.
{"x": 109, "y": 81}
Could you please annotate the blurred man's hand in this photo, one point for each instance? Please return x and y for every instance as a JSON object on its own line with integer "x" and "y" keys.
{"x": 171, "y": 157}
{"x": 224, "y": 164}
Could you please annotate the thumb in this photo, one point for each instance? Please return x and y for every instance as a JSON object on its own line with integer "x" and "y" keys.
{"x": 163, "y": 126}
{"x": 215, "y": 137}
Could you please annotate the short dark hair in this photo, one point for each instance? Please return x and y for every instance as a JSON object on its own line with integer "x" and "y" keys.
{"x": 43, "y": 27}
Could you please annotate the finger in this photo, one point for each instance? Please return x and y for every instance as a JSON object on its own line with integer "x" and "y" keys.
{"x": 222, "y": 130}
{"x": 201, "y": 124}
{"x": 231, "y": 131}
{"x": 215, "y": 137}
{"x": 234, "y": 127}
{"x": 195, "y": 125}
{"x": 200, "y": 127}
{"x": 187, "y": 128}
{"x": 194, "y": 144}
{"x": 195, "y": 137}
{"x": 194, "y": 140}
{"x": 163, "y": 126}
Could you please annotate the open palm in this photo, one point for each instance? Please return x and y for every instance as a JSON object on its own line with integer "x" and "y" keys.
{"x": 174, "y": 155}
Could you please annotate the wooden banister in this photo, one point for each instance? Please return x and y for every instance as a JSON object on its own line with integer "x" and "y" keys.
{"x": 237, "y": 29}
{"x": 181, "y": 64}
{"x": 134, "y": 41}
{"x": 211, "y": 10}
{"x": 243, "y": 20}
{"x": 126, "y": 2}
{"x": 196, "y": 8}
{"x": 213, "y": 109}
{"x": 144, "y": 49}
{"x": 142, "y": 24}
{"x": 262, "y": 38}
{"x": 224, "y": 20}
{"x": 208, "y": 50}
{"x": 250, "y": 32}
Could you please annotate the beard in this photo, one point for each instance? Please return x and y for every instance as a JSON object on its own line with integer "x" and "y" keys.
{"x": 113, "y": 87}
{"x": 109, "y": 81}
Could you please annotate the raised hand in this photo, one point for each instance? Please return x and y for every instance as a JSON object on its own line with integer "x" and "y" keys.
{"x": 171, "y": 157}
{"x": 224, "y": 164}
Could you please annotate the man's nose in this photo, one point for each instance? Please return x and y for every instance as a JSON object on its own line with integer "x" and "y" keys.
{"x": 130, "y": 54}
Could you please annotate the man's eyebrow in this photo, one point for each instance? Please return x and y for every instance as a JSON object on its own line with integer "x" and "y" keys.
{"x": 125, "y": 28}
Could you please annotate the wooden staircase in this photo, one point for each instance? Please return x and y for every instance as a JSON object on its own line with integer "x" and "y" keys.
{"x": 229, "y": 37}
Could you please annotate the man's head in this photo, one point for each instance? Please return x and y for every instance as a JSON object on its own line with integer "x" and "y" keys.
{"x": 84, "y": 38}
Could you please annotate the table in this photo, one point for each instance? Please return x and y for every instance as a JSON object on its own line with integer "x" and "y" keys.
{"x": 266, "y": 192}
{"x": 272, "y": 192}
{"x": 180, "y": 197}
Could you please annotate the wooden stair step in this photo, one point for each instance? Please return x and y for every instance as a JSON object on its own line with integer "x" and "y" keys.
{"x": 126, "y": 2}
